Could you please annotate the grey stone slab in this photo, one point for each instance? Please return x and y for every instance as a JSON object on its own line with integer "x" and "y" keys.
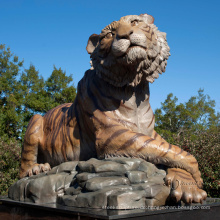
{"x": 18, "y": 190}
{"x": 67, "y": 167}
{"x": 160, "y": 198}
{"x": 160, "y": 172}
{"x": 82, "y": 177}
{"x": 37, "y": 176}
{"x": 53, "y": 170}
{"x": 112, "y": 173}
{"x": 146, "y": 187}
{"x": 148, "y": 168}
{"x": 111, "y": 166}
{"x": 82, "y": 184}
{"x": 88, "y": 166}
{"x": 45, "y": 189}
{"x": 158, "y": 179}
{"x": 69, "y": 180}
{"x": 73, "y": 191}
{"x": 136, "y": 176}
{"x": 67, "y": 200}
{"x": 133, "y": 163}
{"x": 98, "y": 166}
{"x": 151, "y": 189}
{"x": 98, "y": 183}
{"x": 126, "y": 200}
{"x": 97, "y": 199}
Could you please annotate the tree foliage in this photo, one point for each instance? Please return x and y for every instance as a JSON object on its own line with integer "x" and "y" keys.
{"x": 10, "y": 154}
{"x": 10, "y": 102}
{"x": 57, "y": 88}
{"x": 24, "y": 92}
{"x": 197, "y": 114}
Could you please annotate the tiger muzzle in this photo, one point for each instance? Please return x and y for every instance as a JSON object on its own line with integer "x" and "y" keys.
{"x": 126, "y": 39}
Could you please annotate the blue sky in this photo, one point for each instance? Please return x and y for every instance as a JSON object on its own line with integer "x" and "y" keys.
{"x": 55, "y": 32}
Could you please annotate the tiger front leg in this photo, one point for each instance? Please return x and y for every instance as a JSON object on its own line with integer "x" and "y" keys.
{"x": 183, "y": 186}
{"x": 115, "y": 140}
{"x": 118, "y": 140}
{"x": 33, "y": 135}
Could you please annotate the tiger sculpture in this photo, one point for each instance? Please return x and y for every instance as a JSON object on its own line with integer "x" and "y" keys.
{"x": 111, "y": 114}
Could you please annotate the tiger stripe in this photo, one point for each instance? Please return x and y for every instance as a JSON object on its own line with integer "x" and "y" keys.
{"x": 145, "y": 144}
{"x": 152, "y": 120}
{"x": 149, "y": 108}
{"x": 181, "y": 151}
{"x": 114, "y": 135}
{"x": 132, "y": 140}
{"x": 165, "y": 153}
{"x": 35, "y": 131}
{"x": 194, "y": 162}
{"x": 155, "y": 135}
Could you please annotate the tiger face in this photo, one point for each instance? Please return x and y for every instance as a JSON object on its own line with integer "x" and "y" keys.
{"x": 129, "y": 51}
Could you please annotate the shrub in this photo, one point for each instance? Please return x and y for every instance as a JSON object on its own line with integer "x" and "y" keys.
{"x": 10, "y": 153}
{"x": 205, "y": 147}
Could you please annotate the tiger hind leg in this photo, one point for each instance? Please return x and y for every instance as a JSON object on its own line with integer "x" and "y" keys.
{"x": 33, "y": 136}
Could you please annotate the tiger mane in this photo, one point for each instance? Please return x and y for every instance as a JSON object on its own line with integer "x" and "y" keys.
{"x": 147, "y": 70}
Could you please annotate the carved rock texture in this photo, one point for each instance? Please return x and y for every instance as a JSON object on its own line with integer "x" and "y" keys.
{"x": 113, "y": 183}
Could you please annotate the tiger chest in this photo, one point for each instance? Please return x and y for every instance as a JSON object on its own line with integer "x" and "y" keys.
{"x": 136, "y": 115}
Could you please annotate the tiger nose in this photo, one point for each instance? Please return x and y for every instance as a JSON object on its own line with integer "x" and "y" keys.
{"x": 124, "y": 31}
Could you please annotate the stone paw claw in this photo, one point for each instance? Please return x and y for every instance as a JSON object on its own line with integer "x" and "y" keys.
{"x": 184, "y": 187}
{"x": 38, "y": 168}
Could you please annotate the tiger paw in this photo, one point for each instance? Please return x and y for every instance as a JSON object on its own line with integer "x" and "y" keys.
{"x": 38, "y": 168}
{"x": 184, "y": 187}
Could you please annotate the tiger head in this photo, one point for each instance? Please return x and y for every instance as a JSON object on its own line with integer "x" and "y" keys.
{"x": 129, "y": 51}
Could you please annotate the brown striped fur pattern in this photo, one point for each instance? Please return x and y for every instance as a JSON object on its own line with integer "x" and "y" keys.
{"x": 111, "y": 115}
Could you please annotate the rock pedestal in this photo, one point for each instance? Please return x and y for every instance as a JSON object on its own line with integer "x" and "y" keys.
{"x": 114, "y": 183}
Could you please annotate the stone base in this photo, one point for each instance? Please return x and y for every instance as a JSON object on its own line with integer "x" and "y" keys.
{"x": 10, "y": 209}
{"x": 113, "y": 183}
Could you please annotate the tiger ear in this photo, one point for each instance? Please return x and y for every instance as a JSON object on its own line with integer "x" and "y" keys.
{"x": 92, "y": 43}
{"x": 148, "y": 18}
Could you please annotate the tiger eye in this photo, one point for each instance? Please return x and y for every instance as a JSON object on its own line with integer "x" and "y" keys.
{"x": 109, "y": 35}
{"x": 134, "y": 23}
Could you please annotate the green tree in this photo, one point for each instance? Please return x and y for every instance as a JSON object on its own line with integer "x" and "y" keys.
{"x": 10, "y": 153}
{"x": 197, "y": 114}
{"x": 10, "y": 98}
{"x": 24, "y": 92}
{"x": 32, "y": 89}
{"x": 58, "y": 89}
